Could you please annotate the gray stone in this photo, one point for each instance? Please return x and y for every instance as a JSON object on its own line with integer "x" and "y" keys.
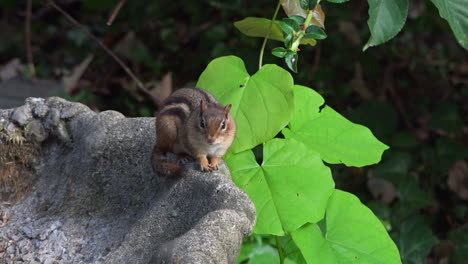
{"x": 72, "y": 110}
{"x": 36, "y": 131}
{"x": 27, "y": 231}
{"x": 22, "y": 115}
{"x": 40, "y": 110}
{"x": 95, "y": 198}
{"x": 53, "y": 118}
{"x": 11, "y": 250}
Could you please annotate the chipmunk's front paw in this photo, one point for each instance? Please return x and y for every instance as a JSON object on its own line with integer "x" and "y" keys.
{"x": 204, "y": 164}
{"x": 206, "y": 168}
{"x": 214, "y": 168}
{"x": 214, "y": 163}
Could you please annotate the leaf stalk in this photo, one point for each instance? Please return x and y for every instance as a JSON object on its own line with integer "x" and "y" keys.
{"x": 301, "y": 33}
{"x": 280, "y": 249}
{"x": 262, "y": 50}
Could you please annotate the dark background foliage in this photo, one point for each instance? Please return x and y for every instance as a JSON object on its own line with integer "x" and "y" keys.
{"x": 412, "y": 92}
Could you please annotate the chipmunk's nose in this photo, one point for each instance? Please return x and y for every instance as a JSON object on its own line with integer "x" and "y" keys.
{"x": 211, "y": 140}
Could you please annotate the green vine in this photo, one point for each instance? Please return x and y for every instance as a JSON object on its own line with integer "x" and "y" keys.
{"x": 260, "y": 59}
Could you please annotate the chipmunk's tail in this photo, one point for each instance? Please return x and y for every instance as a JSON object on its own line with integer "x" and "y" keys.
{"x": 163, "y": 166}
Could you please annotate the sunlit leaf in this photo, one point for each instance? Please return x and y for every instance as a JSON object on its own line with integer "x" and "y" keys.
{"x": 290, "y": 188}
{"x": 318, "y": 18}
{"x": 262, "y": 104}
{"x": 324, "y": 130}
{"x": 351, "y": 234}
{"x": 258, "y": 27}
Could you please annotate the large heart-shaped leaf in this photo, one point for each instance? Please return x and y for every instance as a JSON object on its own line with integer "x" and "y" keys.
{"x": 337, "y": 139}
{"x": 456, "y": 13}
{"x": 290, "y": 188}
{"x": 258, "y": 27}
{"x": 262, "y": 104}
{"x": 351, "y": 234}
{"x": 386, "y": 19}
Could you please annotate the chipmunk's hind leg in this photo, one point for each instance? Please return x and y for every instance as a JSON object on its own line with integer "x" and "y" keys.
{"x": 166, "y": 133}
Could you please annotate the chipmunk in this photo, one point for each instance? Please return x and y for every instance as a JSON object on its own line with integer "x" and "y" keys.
{"x": 193, "y": 125}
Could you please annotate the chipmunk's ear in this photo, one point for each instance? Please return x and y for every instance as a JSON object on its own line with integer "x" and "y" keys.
{"x": 227, "y": 108}
{"x": 202, "y": 106}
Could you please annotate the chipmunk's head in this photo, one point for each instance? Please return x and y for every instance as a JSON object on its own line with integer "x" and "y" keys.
{"x": 216, "y": 122}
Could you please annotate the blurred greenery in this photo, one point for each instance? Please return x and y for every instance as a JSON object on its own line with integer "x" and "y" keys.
{"x": 412, "y": 92}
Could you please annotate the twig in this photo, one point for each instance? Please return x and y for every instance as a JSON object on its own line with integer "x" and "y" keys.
{"x": 106, "y": 49}
{"x": 27, "y": 33}
{"x": 115, "y": 12}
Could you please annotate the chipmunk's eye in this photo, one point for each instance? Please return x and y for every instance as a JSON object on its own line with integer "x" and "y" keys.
{"x": 223, "y": 125}
{"x": 202, "y": 123}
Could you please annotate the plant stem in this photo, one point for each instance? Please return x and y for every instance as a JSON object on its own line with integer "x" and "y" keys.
{"x": 297, "y": 41}
{"x": 280, "y": 249}
{"x": 260, "y": 60}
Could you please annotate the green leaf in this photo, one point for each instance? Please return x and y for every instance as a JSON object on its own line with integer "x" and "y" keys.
{"x": 291, "y": 250}
{"x": 315, "y": 32}
{"x": 262, "y": 104}
{"x": 312, "y": 4}
{"x": 308, "y": 4}
{"x": 353, "y": 234}
{"x": 446, "y": 117}
{"x": 323, "y": 130}
{"x": 299, "y": 20}
{"x": 337, "y": 1}
{"x": 291, "y": 60}
{"x": 460, "y": 239}
{"x": 395, "y": 162}
{"x": 287, "y": 27}
{"x": 415, "y": 240}
{"x": 386, "y": 19}
{"x": 456, "y": 13}
{"x": 411, "y": 197}
{"x": 258, "y": 27}
{"x": 291, "y": 23}
{"x": 304, "y": 4}
{"x": 403, "y": 139}
{"x": 279, "y": 52}
{"x": 290, "y": 188}
{"x": 293, "y": 8}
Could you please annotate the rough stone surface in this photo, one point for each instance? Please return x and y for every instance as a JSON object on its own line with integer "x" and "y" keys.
{"x": 95, "y": 198}
{"x": 22, "y": 115}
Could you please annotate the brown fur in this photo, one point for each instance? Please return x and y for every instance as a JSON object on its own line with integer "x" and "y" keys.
{"x": 179, "y": 130}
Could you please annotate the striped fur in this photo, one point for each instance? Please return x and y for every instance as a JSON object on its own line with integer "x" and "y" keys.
{"x": 172, "y": 123}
